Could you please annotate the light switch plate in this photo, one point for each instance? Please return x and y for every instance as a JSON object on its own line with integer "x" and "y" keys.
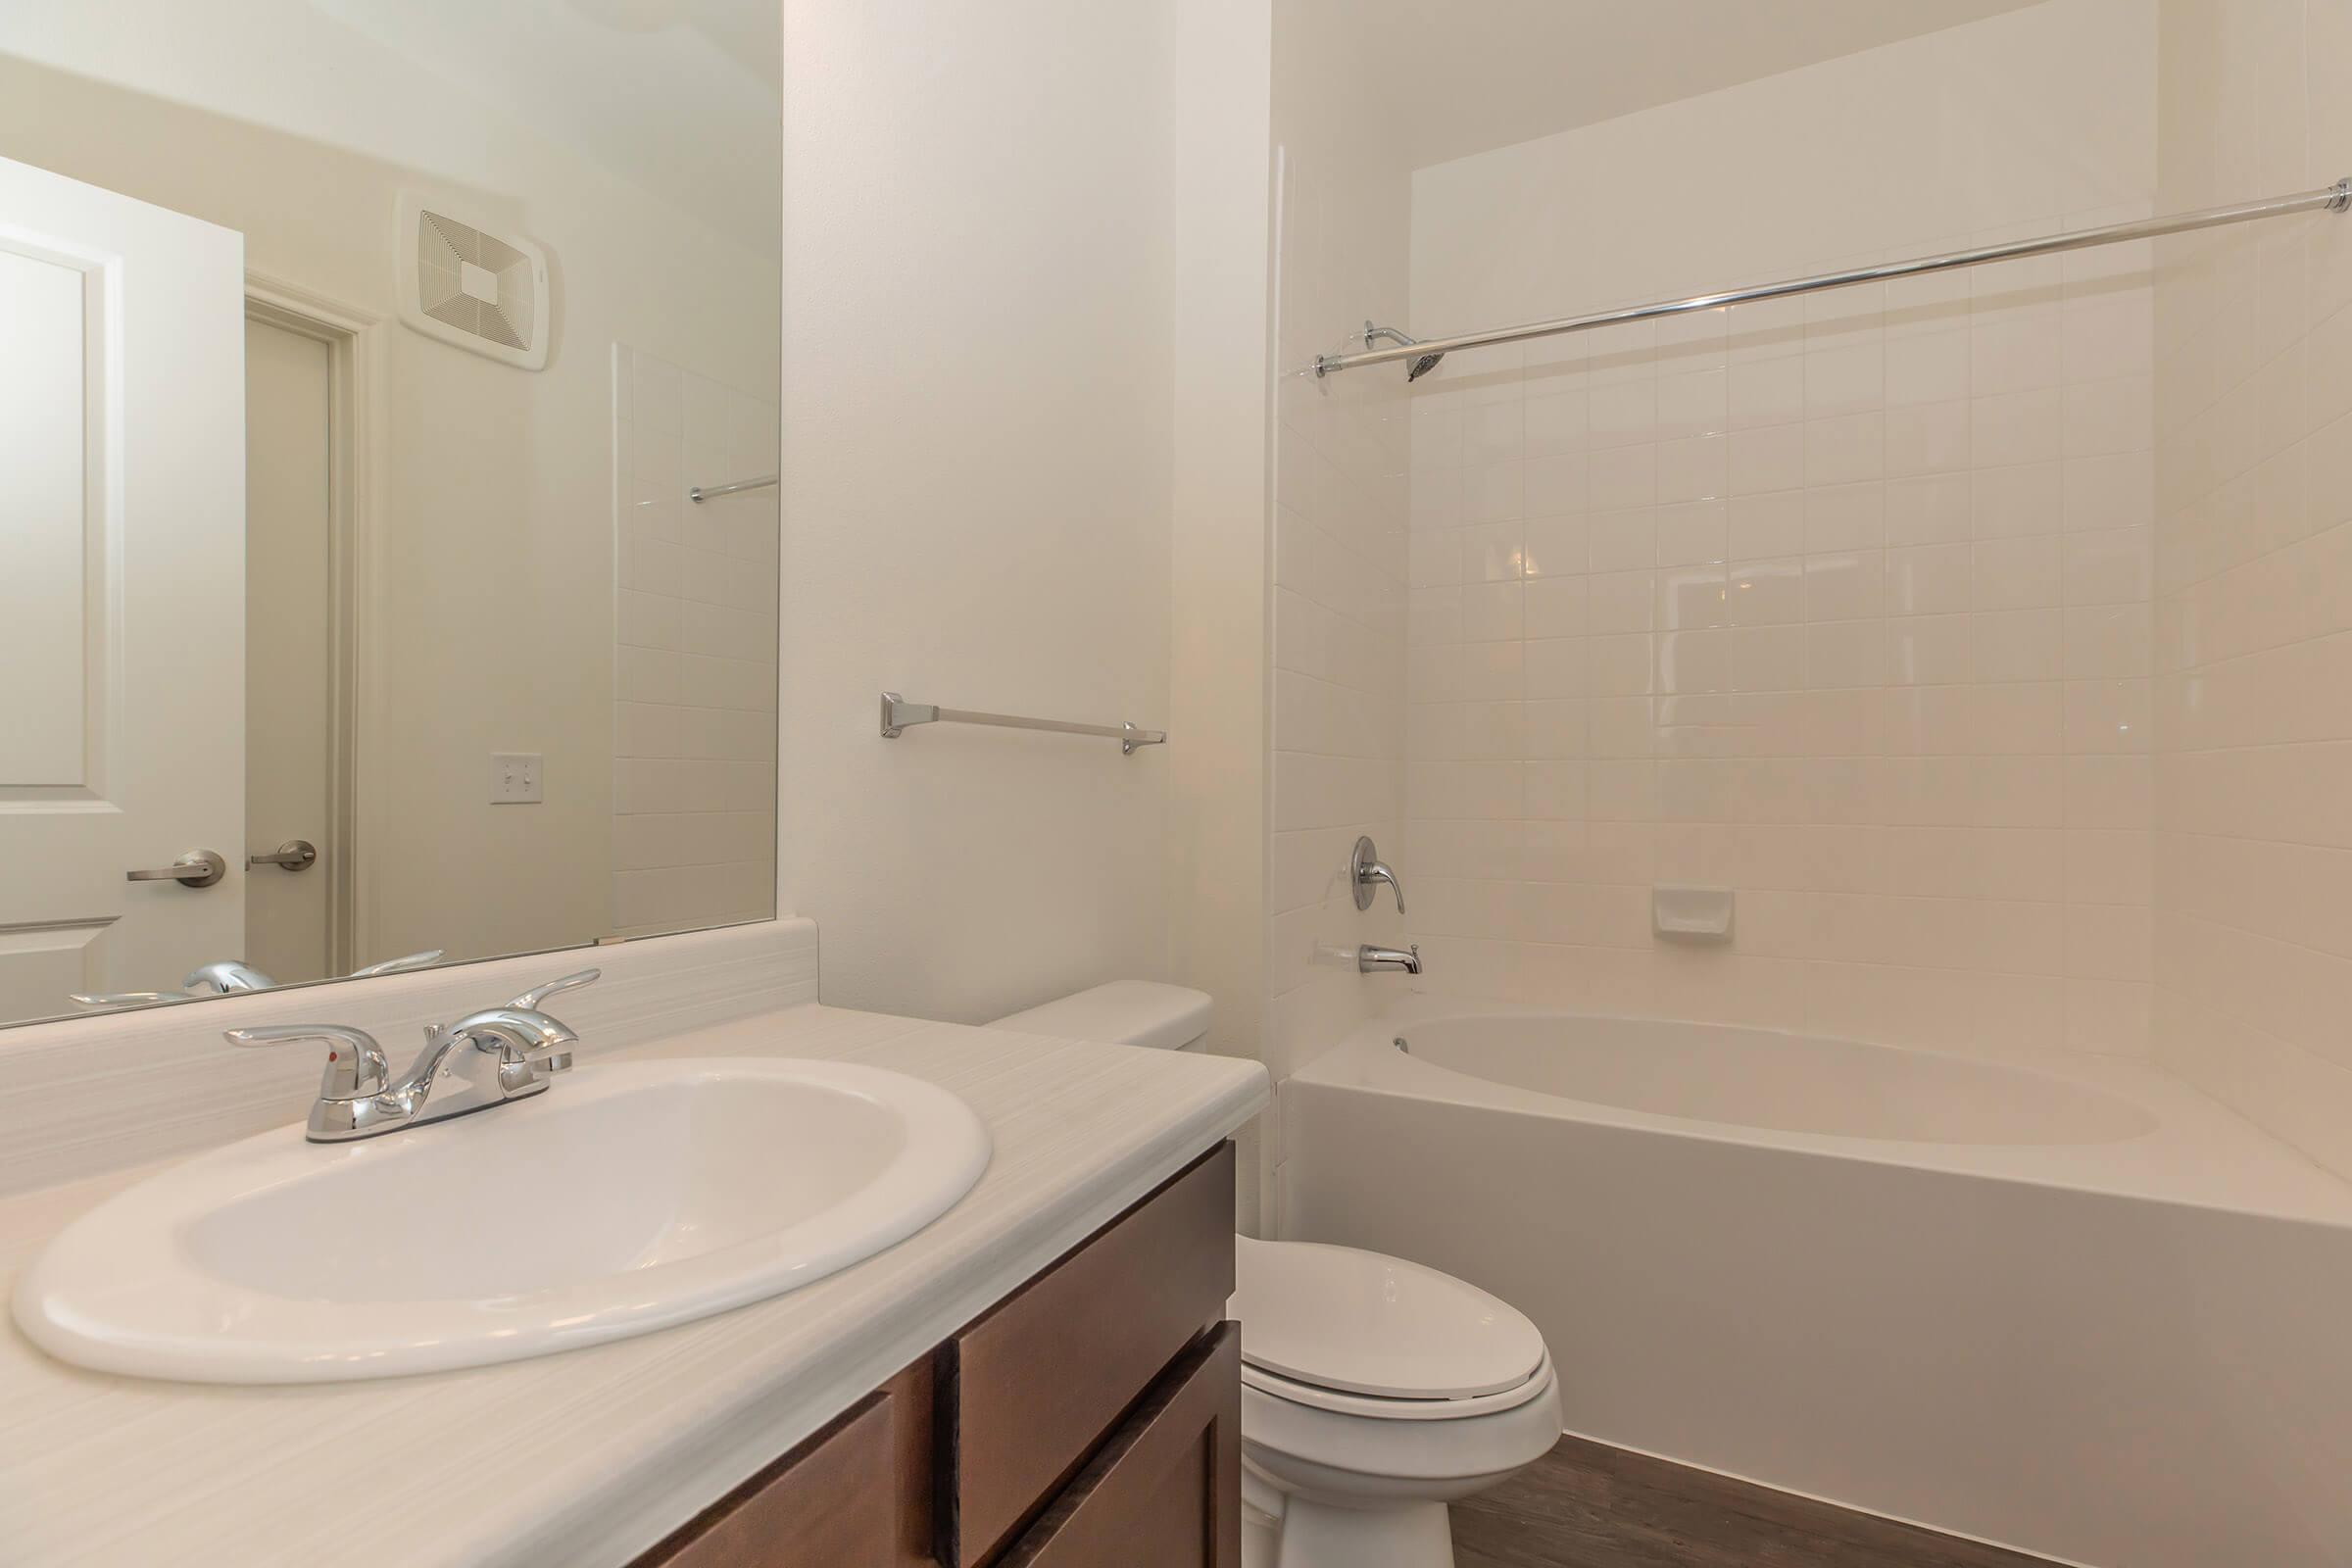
{"x": 515, "y": 779}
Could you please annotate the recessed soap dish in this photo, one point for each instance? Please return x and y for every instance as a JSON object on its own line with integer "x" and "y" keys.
{"x": 1682, "y": 913}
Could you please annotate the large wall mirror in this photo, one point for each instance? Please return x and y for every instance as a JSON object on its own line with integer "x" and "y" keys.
{"x": 388, "y": 530}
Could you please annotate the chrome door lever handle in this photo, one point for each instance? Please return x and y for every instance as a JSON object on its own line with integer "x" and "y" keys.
{"x": 295, "y": 855}
{"x": 198, "y": 868}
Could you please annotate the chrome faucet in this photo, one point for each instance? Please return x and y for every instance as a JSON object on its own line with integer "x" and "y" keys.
{"x": 1366, "y": 871}
{"x": 485, "y": 1058}
{"x": 1370, "y": 960}
{"x": 224, "y": 977}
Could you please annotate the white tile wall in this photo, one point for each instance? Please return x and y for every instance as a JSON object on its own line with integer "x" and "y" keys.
{"x": 1843, "y": 600}
{"x": 694, "y": 712}
{"x": 2253, "y": 381}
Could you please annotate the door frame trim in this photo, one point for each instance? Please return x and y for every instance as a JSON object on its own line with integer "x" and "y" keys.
{"x": 351, "y": 337}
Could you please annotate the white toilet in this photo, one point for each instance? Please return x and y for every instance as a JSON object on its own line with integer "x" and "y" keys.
{"x": 1374, "y": 1391}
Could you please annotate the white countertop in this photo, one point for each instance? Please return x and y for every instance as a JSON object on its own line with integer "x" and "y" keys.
{"x": 589, "y": 1457}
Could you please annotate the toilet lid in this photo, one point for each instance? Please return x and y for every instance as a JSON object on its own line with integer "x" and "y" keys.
{"x": 1373, "y": 1407}
{"x": 1364, "y": 1323}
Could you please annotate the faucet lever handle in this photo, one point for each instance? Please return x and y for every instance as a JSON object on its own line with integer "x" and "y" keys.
{"x": 399, "y": 965}
{"x": 354, "y": 1066}
{"x": 1367, "y": 870}
{"x": 537, "y": 993}
{"x": 520, "y": 1036}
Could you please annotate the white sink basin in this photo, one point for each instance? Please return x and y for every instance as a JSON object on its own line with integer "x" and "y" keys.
{"x": 625, "y": 1198}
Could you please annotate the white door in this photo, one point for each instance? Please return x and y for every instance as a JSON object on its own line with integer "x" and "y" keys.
{"x": 122, "y": 589}
{"x": 289, "y": 651}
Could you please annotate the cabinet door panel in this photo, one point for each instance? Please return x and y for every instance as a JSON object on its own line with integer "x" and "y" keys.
{"x": 1165, "y": 1492}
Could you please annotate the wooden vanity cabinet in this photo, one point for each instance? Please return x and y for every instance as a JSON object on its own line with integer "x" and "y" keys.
{"x": 1091, "y": 1417}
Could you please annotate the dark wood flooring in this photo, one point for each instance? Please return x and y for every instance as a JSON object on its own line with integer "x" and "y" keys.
{"x": 1587, "y": 1505}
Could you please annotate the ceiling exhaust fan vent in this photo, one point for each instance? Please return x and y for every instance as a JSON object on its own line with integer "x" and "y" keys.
{"x": 483, "y": 292}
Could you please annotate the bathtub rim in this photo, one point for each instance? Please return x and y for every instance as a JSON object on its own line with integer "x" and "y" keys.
{"x": 2146, "y": 1118}
{"x": 2199, "y": 1153}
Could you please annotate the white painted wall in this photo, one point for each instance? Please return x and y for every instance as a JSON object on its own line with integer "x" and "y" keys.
{"x": 1841, "y": 601}
{"x": 1221, "y": 577}
{"x": 493, "y": 569}
{"x": 1026, "y": 414}
{"x": 2253, "y": 865}
{"x": 978, "y": 407}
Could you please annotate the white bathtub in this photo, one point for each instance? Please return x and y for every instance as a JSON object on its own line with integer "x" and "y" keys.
{"x": 2075, "y": 1307}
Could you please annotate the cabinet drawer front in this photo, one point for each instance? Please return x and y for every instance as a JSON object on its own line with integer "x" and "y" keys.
{"x": 1033, "y": 1387}
{"x": 828, "y": 1504}
{"x": 855, "y": 1495}
{"x": 1165, "y": 1492}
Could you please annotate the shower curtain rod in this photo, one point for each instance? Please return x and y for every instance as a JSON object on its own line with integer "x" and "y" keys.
{"x": 2334, "y": 197}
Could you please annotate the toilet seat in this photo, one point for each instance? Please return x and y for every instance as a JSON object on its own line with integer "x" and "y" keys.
{"x": 1381, "y": 1408}
{"x": 1339, "y": 1321}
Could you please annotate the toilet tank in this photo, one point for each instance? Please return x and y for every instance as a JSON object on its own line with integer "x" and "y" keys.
{"x": 1123, "y": 1012}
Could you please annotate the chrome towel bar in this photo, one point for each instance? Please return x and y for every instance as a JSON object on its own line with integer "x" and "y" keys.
{"x": 711, "y": 491}
{"x": 899, "y": 715}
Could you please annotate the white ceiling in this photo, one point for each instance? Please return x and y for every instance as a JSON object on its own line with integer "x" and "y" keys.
{"x": 680, "y": 96}
{"x": 1468, "y": 75}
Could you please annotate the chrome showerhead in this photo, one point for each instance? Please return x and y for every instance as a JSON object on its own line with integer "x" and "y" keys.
{"x": 1419, "y": 365}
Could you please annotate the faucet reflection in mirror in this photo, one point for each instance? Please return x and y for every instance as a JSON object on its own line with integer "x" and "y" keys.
{"x": 228, "y": 977}
{"x": 483, "y": 1059}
